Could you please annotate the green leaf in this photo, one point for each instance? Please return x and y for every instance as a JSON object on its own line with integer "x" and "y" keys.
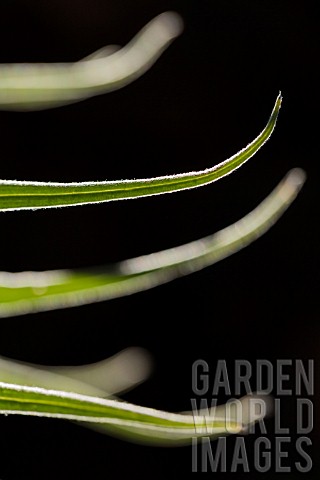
{"x": 27, "y": 292}
{"x": 40, "y": 86}
{"x": 90, "y": 379}
{"x": 116, "y": 417}
{"x": 17, "y": 195}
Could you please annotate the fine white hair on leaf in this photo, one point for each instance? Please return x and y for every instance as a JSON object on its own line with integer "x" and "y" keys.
{"x": 79, "y": 287}
{"x": 29, "y": 195}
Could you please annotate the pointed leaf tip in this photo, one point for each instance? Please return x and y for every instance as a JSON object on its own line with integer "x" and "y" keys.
{"x": 17, "y": 195}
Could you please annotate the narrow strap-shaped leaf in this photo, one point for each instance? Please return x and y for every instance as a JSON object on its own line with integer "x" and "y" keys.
{"x": 114, "y": 375}
{"x": 247, "y": 412}
{"x": 27, "y": 292}
{"x": 39, "y": 86}
{"x": 133, "y": 420}
{"x": 17, "y": 195}
{"x": 32, "y": 375}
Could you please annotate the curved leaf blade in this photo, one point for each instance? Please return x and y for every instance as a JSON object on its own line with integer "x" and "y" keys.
{"x": 116, "y": 417}
{"x": 26, "y": 292}
{"x": 42, "y": 86}
{"x": 18, "y": 195}
{"x": 110, "y": 376}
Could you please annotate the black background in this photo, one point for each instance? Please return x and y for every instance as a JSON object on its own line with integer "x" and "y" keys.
{"x": 209, "y": 94}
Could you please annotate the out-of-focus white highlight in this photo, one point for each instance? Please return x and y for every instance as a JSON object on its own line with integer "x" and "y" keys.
{"x": 148, "y": 271}
{"x": 116, "y": 374}
{"x": 36, "y": 86}
{"x": 194, "y": 255}
{"x": 33, "y": 279}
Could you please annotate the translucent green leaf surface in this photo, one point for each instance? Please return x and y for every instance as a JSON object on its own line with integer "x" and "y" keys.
{"x": 27, "y": 292}
{"x": 17, "y": 195}
{"x": 120, "y": 418}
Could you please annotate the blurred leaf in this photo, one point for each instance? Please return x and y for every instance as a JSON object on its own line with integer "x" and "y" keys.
{"x": 39, "y": 86}
{"x": 27, "y": 292}
{"x": 116, "y": 374}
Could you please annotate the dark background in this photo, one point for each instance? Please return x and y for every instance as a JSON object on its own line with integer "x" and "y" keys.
{"x": 208, "y": 96}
